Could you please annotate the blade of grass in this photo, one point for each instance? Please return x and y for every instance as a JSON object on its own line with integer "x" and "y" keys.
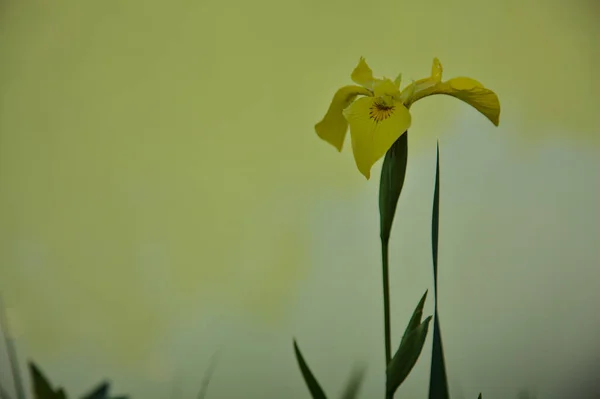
{"x": 208, "y": 375}
{"x": 3, "y": 393}
{"x": 438, "y": 381}
{"x": 11, "y": 350}
{"x": 311, "y": 382}
{"x": 354, "y": 383}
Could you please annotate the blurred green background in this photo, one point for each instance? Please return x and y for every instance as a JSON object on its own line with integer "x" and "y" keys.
{"x": 163, "y": 194}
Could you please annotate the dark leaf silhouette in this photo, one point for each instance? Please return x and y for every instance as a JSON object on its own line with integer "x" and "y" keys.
{"x": 315, "y": 389}
{"x": 42, "y": 389}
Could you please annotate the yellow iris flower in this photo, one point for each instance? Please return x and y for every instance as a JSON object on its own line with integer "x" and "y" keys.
{"x": 379, "y": 118}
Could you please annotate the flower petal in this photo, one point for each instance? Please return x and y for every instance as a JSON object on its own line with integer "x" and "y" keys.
{"x": 466, "y": 89}
{"x": 473, "y": 93}
{"x": 333, "y": 126}
{"x": 470, "y": 91}
{"x": 423, "y": 86}
{"x": 370, "y": 138}
{"x": 362, "y": 74}
{"x": 436, "y": 70}
{"x": 385, "y": 87}
{"x": 398, "y": 80}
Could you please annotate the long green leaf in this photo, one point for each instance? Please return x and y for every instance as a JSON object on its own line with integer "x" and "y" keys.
{"x": 354, "y": 383}
{"x": 311, "y": 382}
{"x": 438, "y": 381}
{"x": 406, "y": 357}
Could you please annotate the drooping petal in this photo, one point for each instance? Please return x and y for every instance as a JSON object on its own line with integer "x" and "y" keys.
{"x": 466, "y": 89}
{"x": 470, "y": 91}
{"x": 473, "y": 93}
{"x": 362, "y": 74}
{"x": 333, "y": 126}
{"x": 374, "y": 127}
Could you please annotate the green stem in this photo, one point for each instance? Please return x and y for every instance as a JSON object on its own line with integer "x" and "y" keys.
{"x": 386, "y": 304}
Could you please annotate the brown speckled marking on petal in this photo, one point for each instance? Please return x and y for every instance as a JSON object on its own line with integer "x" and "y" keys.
{"x": 380, "y": 111}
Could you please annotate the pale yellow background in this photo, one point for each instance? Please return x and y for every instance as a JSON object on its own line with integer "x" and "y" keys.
{"x": 163, "y": 194}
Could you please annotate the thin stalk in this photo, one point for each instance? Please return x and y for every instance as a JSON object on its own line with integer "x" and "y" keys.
{"x": 12, "y": 353}
{"x": 208, "y": 374}
{"x": 386, "y": 304}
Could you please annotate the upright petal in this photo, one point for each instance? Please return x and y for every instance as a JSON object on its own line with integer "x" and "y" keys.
{"x": 374, "y": 127}
{"x": 333, "y": 126}
{"x": 385, "y": 87}
{"x": 436, "y": 70}
{"x": 362, "y": 74}
{"x": 398, "y": 80}
{"x": 423, "y": 85}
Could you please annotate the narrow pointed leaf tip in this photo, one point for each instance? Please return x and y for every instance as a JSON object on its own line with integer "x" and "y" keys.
{"x": 100, "y": 392}
{"x": 415, "y": 319}
{"x": 438, "y": 379}
{"x": 314, "y": 388}
{"x": 410, "y": 348}
{"x": 406, "y": 357}
{"x": 42, "y": 389}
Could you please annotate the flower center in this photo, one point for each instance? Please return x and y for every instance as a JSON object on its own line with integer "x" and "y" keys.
{"x": 381, "y": 110}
